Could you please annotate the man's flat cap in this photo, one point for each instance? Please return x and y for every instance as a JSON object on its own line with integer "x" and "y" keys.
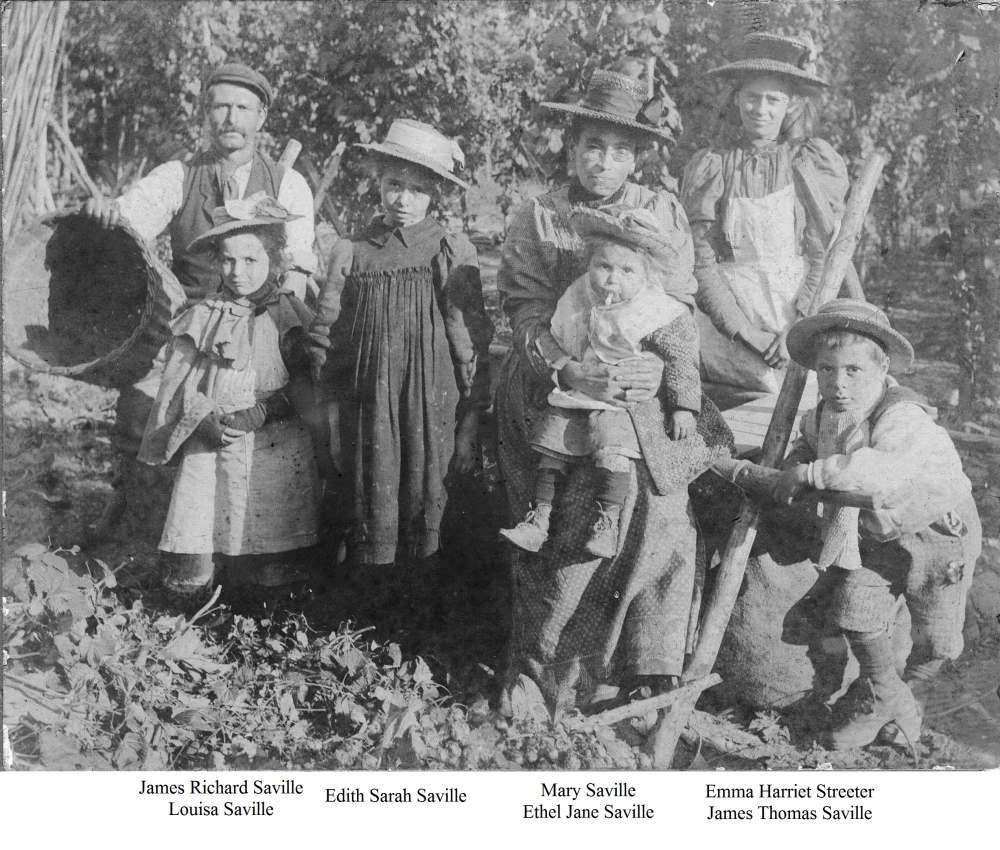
{"x": 242, "y": 75}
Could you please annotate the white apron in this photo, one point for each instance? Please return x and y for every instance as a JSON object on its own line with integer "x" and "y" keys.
{"x": 765, "y": 277}
{"x": 258, "y": 495}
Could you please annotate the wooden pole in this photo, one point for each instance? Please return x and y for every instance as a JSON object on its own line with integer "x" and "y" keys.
{"x": 326, "y": 202}
{"x": 759, "y": 482}
{"x": 290, "y": 153}
{"x": 75, "y": 160}
{"x": 719, "y": 608}
{"x": 806, "y": 182}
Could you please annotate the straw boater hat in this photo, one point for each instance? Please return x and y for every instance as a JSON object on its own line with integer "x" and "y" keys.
{"x": 635, "y": 228}
{"x": 766, "y": 54}
{"x": 420, "y": 143}
{"x": 848, "y": 314}
{"x": 237, "y": 74}
{"x": 258, "y": 210}
{"x": 617, "y": 99}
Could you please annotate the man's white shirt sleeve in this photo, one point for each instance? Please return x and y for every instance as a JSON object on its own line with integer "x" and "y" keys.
{"x": 152, "y": 202}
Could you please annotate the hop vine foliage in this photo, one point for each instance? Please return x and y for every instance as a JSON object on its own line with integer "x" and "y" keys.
{"x": 96, "y": 681}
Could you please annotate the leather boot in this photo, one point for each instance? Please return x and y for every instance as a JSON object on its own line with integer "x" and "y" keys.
{"x": 532, "y": 532}
{"x": 603, "y": 541}
{"x": 877, "y": 698}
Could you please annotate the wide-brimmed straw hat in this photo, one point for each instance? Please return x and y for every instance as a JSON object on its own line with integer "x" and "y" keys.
{"x": 238, "y": 74}
{"x": 420, "y": 143}
{"x": 258, "y": 210}
{"x": 767, "y": 54}
{"x": 620, "y": 100}
{"x": 635, "y": 228}
{"x": 848, "y": 314}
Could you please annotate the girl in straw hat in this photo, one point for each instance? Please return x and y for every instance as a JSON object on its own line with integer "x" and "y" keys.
{"x": 611, "y": 314}
{"x": 581, "y": 622}
{"x": 237, "y": 371}
{"x": 757, "y": 257}
{"x": 402, "y": 337}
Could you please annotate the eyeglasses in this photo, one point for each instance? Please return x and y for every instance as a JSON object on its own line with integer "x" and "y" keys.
{"x": 593, "y": 153}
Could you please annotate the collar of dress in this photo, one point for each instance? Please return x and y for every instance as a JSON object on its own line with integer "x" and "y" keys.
{"x": 578, "y": 196}
{"x": 425, "y": 231}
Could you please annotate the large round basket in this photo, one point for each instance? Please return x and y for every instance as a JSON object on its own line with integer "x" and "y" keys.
{"x": 86, "y": 302}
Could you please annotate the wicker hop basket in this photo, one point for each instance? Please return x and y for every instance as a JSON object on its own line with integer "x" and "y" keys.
{"x": 86, "y": 302}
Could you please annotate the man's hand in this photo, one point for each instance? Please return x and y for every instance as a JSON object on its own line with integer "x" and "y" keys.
{"x": 297, "y": 282}
{"x": 791, "y": 482}
{"x": 682, "y": 425}
{"x": 104, "y": 211}
{"x": 627, "y": 383}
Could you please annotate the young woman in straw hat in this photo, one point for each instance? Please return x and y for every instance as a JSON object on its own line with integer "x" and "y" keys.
{"x": 236, "y": 376}
{"x": 757, "y": 256}
{"x": 581, "y": 621}
{"x": 402, "y": 339}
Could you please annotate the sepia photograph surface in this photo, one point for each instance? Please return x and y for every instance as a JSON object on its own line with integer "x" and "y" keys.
{"x": 501, "y": 386}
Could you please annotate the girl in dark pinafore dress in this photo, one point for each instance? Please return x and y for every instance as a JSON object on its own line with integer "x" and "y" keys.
{"x": 402, "y": 338}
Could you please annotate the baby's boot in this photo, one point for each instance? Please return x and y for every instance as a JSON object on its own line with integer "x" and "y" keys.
{"x": 532, "y": 531}
{"x": 877, "y": 698}
{"x": 603, "y": 541}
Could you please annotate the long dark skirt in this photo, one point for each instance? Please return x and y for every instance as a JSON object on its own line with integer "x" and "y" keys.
{"x": 580, "y": 621}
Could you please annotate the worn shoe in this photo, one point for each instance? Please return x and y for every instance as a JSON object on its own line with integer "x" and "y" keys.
{"x": 861, "y": 714}
{"x": 603, "y": 542}
{"x": 532, "y": 532}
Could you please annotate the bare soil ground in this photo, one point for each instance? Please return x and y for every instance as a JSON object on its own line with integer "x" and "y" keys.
{"x": 57, "y": 476}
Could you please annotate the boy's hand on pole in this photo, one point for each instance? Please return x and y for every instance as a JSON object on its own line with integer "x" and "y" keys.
{"x": 790, "y": 483}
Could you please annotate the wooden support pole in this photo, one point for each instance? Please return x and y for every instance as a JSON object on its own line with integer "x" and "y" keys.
{"x": 317, "y": 180}
{"x": 759, "y": 482}
{"x": 806, "y": 183}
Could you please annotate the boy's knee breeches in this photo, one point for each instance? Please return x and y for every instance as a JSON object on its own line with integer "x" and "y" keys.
{"x": 929, "y": 569}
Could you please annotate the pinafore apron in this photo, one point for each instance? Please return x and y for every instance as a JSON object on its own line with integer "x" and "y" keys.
{"x": 765, "y": 276}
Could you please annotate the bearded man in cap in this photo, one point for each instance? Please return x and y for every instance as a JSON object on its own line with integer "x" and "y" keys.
{"x": 179, "y": 197}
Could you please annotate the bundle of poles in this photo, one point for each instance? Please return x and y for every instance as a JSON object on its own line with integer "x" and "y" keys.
{"x": 30, "y": 67}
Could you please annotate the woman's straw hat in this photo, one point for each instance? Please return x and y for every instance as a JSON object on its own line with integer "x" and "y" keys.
{"x": 767, "y": 54}
{"x": 420, "y": 143}
{"x": 848, "y": 314}
{"x": 258, "y": 210}
{"x": 620, "y": 100}
{"x": 636, "y": 228}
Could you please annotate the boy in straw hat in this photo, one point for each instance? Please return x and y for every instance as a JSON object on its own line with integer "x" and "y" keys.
{"x": 872, "y": 437}
{"x": 236, "y": 375}
{"x": 607, "y": 316}
{"x": 402, "y": 339}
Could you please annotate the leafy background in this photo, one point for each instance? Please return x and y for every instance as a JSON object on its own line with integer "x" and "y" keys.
{"x": 917, "y": 80}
